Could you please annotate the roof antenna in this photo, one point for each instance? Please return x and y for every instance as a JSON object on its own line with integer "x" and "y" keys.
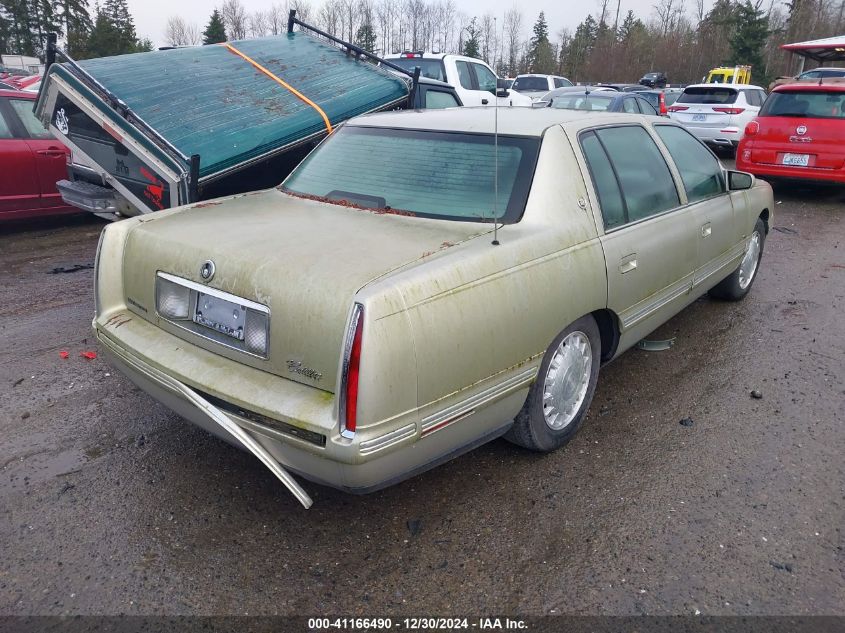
{"x": 496, "y": 170}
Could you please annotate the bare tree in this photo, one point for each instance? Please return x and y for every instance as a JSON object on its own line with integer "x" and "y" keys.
{"x": 488, "y": 38}
{"x": 277, "y": 19}
{"x": 177, "y": 32}
{"x": 234, "y": 17}
{"x": 513, "y": 36}
{"x": 258, "y": 24}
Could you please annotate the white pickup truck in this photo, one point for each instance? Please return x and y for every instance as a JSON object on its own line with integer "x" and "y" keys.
{"x": 473, "y": 80}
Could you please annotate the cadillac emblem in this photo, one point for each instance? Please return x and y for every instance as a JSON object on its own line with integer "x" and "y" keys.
{"x": 801, "y": 129}
{"x": 207, "y": 270}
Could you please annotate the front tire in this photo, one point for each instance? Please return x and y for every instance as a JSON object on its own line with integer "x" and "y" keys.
{"x": 736, "y": 285}
{"x": 563, "y": 390}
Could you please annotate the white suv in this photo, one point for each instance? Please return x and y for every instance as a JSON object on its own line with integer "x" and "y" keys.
{"x": 535, "y": 86}
{"x": 473, "y": 80}
{"x": 717, "y": 113}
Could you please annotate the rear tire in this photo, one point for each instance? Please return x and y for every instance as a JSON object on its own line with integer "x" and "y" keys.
{"x": 563, "y": 390}
{"x": 736, "y": 285}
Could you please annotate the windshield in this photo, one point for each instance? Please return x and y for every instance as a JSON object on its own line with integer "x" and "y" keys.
{"x": 708, "y": 95}
{"x": 431, "y": 68}
{"x": 590, "y": 102}
{"x": 816, "y": 105}
{"x": 421, "y": 173}
{"x": 531, "y": 84}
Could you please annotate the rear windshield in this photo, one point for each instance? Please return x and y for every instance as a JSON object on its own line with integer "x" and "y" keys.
{"x": 590, "y": 102}
{"x": 816, "y": 105}
{"x": 421, "y": 173}
{"x": 432, "y": 68}
{"x": 531, "y": 84}
{"x": 708, "y": 95}
{"x": 652, "y": 97}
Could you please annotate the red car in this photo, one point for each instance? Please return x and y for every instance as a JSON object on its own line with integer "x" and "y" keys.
{"x": 31, "y": 161}
{"x": 799, "y": 133}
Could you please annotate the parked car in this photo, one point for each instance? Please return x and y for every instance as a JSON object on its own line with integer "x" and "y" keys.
{"x": 718, "y": 113}
{"x": 535, "y": 86}
{"x": 661, "y": 99}
{"x": 31, "y": 161}
{"x": 654, "y": 80}
{"x": 24, "y": 83}
{"x": 799, "y": 133}
{"x": 473, "y": 79}
{"x": 821, "y": 73}
{"x": 601, "y": 100}
{"x": 359, "y": 326}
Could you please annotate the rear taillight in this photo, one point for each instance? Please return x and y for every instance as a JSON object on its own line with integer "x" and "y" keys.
{"x": 752, "y": 128}
{"x": 351, "y": 368}
{"x": 677, "y": 108}
{"x": 729, "y": 110}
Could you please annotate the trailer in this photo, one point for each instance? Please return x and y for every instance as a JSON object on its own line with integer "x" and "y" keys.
{"x": 150, "y": 131}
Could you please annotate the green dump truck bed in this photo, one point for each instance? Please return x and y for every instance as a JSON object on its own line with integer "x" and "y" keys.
{"x": 176, "y": 120}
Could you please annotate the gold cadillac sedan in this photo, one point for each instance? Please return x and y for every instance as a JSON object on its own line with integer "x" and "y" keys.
{"x": 422, "y": 283}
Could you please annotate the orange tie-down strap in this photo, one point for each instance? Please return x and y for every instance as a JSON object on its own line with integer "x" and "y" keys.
{"x": 281, "y": 82}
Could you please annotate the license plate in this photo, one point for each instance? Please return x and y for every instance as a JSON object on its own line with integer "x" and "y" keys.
{"x": 220, "y": 315}
{"x": 699, "y": 117}
{"x": 799, "y": 160}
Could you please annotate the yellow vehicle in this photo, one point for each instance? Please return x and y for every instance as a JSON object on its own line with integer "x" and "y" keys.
{"x": 729, "y": 75}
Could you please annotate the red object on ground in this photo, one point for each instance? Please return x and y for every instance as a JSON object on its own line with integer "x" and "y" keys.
{"x": 63, "y": 354}
{"x": 799, "y": 133}
{"x": 88, "y": 355}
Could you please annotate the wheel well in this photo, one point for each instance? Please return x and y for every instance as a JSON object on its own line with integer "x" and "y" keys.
{"x": 608, "y": 324}
{"x": 764, "y": 215}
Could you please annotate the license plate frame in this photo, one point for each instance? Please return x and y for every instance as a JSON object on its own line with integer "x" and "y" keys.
{"x": 220, "y": 315}
{"x": 699, "y": 118}
{"x": 795, "y": 160}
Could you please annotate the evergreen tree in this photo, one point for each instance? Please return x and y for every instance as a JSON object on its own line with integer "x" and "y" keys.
{"x": 749, "y": 40}
{"x": 76, "y": 25}
{"x": 580, "y": 48}
{"x": 472, "y": 45}
{"x": 16, "y": 23}
{"x": 366, "y": 37}
{"x": 215, "y": 32}
{"x": 541, "y": 57}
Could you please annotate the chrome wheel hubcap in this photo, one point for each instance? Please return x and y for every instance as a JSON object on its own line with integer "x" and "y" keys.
{"x": 566, "y": 381}
{"x": 748, "y": 267}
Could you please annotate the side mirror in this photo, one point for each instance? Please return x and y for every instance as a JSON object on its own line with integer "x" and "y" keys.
{"x": 539, "y": 103}
{"x": 739, "y": 180}
{"x": 503, "y": 93}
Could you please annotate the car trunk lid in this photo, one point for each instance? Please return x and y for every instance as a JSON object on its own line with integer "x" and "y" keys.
{"x": 303, "y": 259}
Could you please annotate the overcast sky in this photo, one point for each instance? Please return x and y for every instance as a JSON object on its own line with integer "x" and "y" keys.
{"x": 151, "y": 15}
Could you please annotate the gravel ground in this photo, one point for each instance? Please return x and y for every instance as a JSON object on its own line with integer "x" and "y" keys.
{"x": 110, "y": 504}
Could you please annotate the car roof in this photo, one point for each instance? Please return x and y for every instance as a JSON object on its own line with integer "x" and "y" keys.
{"x": 829, "y": 86}
{"x": 512, "y": 121}
{"x": 535, "y": 75}
{"x": 715, "y": 85}
{"x": 425, "y": 55}
{"x": 434, "y": 82}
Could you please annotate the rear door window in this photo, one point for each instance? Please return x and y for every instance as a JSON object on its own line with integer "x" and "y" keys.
{"x": 641, "y": 173}
{"x": 700, "y": 171}
{"x": 708, "y": 95}
{"x": 629, "y": 104}
{"x": 464, "y": 75}
{"x": 435, "y": 99}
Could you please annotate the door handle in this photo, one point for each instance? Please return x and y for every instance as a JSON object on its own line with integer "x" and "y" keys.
{"x": 706, "y": 230}
{"x": 628, "y": 263}
{"x": 51, "y": 152}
